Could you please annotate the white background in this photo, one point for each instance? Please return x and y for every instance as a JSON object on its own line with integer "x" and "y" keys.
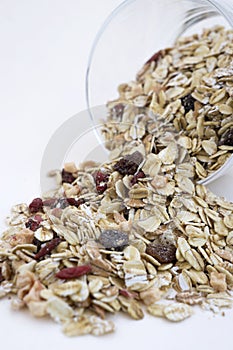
{"x": 44, "y": 46}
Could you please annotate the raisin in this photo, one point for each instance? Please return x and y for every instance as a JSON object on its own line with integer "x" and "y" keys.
{"x": 188, "y": 103}
{"x": 73, "y": 272}
{"x": 161, "y": 252}
{"x": 36, "y": 205}
{"x": 113, "y": 239}
{"x": 47, "y": 248}
{"x": 118, "y": 110}
{"x": 75, "y": 202}
{"x": 226, "y": 138}
{"x": 137, "y": 176}
{"x": 128, "y": 165}
{"x": 101, "y": 180}
{"x": 67, "y": 176}
{"x": 155, "y": 57}
{"x": 32, "y": 225}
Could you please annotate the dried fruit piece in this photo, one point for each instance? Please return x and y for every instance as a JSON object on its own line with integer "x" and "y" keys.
{"x": 128, "y": 165}
{"x": 75, "y": 202}
{"x": 155, "y": 57}
{"x": 113, "y": 239}
{"x": 136, "y": 177}
{"x": 128, "y": 294}
{"x": 32, "y": 225}
{"x": 48, "y": 248}
{"x": 51, "y": 202}
{"x": 188, "y": 103}
{"x": 161, "y": 252}
{"x": 67, "y": 176}
{"x": 227, "y": 138}
{"x": 36, "y": 205}
{"x": 73, "y": 272}
{"x": 117, "y": 111}
{"x": 101, "y": 180}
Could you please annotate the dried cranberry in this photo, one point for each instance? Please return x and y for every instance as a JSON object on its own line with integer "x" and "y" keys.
{"x": 101, "y": 180}
{"x": 32, "y": 225}
{"x": 164, "y": 253}
{"x": 226, "y": 138}
{"x": 47, "y": 248}
{"x": 118, "y": 110}
{"x": 73, "y": 272}
{"x": 155, "y": 57}
{"x": 36, "y": 205}
{"x": 75, "y": 202}
{"x": 137, "y": 176}
{"x": 128, "y": 165}
{"x": 113, "y": 239}
{"x": 188, "y": 103}
{"x": 67, "y": 176}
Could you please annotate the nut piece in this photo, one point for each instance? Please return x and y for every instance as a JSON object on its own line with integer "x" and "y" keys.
{"x": 113, "y": 239}
{"x": 161, "y": 252}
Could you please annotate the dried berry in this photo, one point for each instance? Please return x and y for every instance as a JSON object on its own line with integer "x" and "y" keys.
{"x": 137, "y": 176}
{"x": 67, "y": 176}
{"x": 227, "y": 138}
{"x": 75, "y": 202}
{"x": 73, "y": 272}
{"x": 128, "y": 165}
{"x": 188, "y": 103}
{"x": 36, "y": 205}
{"x": 101, "y": 180}
{"x": 113, "y": 239}
{"x": 155, "y": 57}
{"x": 48, "y": 247}
{"x": 161, "y": 252}
{"x": 118, "y": 110}
{"x": 128, "y": 294}
{"x": 32, "y": 225}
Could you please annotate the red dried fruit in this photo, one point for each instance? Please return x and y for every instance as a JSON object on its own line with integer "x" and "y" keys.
{"x": 161, "y": 252}
{"x": 226, "y": 138}
{"x": 36, "y": 205}
{"x": 38, "y": 218}
{"x": 113, "y": 239}
{"x": 128, "y": 165}
{"x": 73, "y": 272}
{"x": 188, "y": 103}
{"x": 32, "y": 225}
{"x": 67, "y": 176}
{"x": 155, "y": 57}
{"x": 101, "y": 180}
{"x": 48, "y": 248}
{"x": 75, "y": 202}
{"x": 137, "y": 176}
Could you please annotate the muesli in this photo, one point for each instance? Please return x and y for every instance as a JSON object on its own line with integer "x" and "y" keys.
{"x": 138, "y": 232}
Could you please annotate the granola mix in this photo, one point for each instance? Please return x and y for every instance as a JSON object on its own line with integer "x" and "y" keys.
{"x": 137, "y": 232}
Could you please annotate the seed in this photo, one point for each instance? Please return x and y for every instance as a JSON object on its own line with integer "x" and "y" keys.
{"x": 128, "y": 165}
{"x": 73, "y": 272}
{"x": 113, "y": 239}
{"x": 36, "y": 205}
{"x": 162, "y": 253}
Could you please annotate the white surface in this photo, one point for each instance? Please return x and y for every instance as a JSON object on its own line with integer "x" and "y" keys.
{"x": 44, "y": 50}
